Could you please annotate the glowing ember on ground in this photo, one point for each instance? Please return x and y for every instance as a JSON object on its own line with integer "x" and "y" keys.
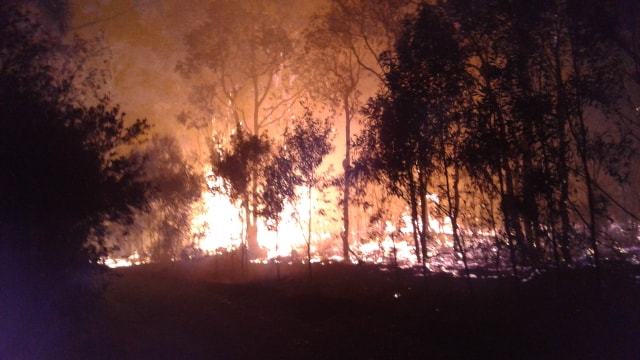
{"x": 134, "y": 259}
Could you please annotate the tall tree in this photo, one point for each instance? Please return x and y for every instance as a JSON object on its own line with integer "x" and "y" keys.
{"x": 65, "y": 171}
{"x": 343, "y": 47}
{"x": 415, "y": 113}
{"x": 540, "y": 70}
{"x": 239, "y": 62}
{"x": 308, "y": 142}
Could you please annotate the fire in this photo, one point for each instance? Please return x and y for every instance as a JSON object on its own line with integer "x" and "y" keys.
{"x": 219, "y": 226}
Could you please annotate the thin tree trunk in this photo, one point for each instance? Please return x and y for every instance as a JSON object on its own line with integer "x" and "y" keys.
{"x": 347, "y": 181}
{"x": 414, "y": 215}
{"x": 454, "y": 210}
{"x": 309, "y": 235}
{"x": 424, "y": 216}
{"x": 508, "y": 197}
{"x": 496, "y": 238}
{"x": 593, "y": 235}
{"x": 277, "y": 252}
{"x": 582, "y": 145}
{"x": 563, "y": 171}
{"x": 453, "y": 206}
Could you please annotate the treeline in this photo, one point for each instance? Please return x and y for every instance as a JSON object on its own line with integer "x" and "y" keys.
{"x": 515, "y": 121}
{"x": 519, "y": 118}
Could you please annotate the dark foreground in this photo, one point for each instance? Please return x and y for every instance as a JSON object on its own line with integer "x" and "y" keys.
{"x": 201, "y": 310}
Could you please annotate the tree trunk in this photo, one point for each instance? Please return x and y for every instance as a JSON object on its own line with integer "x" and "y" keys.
{"x": 453, "y": 208}
{"x": 508, "y": 198}
{"x": 347, "y": 182}
{"x": 563, "y": 171}
{"x": 593, "y": 235}
{"x": 414, "y": 215}
{"x": 424, "y": 216}
{"x": 252, "y": 247}
{"x": 309, "y": 234}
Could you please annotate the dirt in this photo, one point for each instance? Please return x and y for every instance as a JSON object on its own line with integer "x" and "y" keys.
{"x": 203, "y": 310}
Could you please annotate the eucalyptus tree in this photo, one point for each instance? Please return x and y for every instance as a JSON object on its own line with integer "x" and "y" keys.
{"x": 239, "y": 61}
{"x": 542, "y": 71}
{"x": 628, "y": 39}
{"x": 492, "y": 141}
{"x": 593, "y": 79}
{"x": 343, "y": 47}
{"x": 278, "y": 192}
{"x": 240, "y": 166}
{"x": 567, "y": 82}
{"x": 306, "y": 145}
{"x": 411, "y": 124}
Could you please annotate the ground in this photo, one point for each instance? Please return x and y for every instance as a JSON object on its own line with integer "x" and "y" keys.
{"x": 212, "y": 309}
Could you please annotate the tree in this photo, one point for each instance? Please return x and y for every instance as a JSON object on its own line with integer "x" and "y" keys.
{"x": 542, "y": 70}
{"x": 343, "y": 45}
{"x": 172, "y": 188}
{"x": 239, "y": 61}
{"x": 410, "y": 123}
{"x": 241, "y": 168}
{"x": 503, "y": 94}
{"x": 306, "y": 146}
{"x": 279, "y": 190}
{"x": 65, "y": 171}
{"x": 594, "y": 82}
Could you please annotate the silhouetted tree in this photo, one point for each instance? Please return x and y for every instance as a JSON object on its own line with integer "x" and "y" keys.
{"x": 412, "y": 120}
{"x": 306, "y": 145}
{"x": 241, "y": 167}
{"x": 65, "y": 170}
{"x": 279, "y": 190}
{"x": 173, "y": 187}
{"x": 343, "y": 45}
{"x": 519, "y": 98}
{"x": 239, "y": 61}
{"x": 547, "y": 77}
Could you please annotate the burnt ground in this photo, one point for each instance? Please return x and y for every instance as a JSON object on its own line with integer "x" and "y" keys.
{"x": 202, "y": 310}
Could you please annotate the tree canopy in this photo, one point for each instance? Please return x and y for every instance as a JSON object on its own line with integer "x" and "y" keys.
{"x": 64, "y": 165}
{"x": 515, "y": 101}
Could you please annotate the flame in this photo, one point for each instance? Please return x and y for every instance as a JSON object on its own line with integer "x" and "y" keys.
{"x": 217, "y": 227}
{"x": 220, "y": 226}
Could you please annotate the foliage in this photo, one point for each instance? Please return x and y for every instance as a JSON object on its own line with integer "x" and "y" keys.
{"x": 241, "y": 168}
{"x": 425, "y": 91}
{"x": 342, "y": 49}
{"x": 64, "y": 173}
{"x": 236, "y": 163}
{"x": 163, "y": 227}
{"x": 513, "y": 101}
{"x": 307, "y": 145}
{"x": 235, "y": 60}
{"x": 240, "y": 62}
{"x": 280, "y": 188}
